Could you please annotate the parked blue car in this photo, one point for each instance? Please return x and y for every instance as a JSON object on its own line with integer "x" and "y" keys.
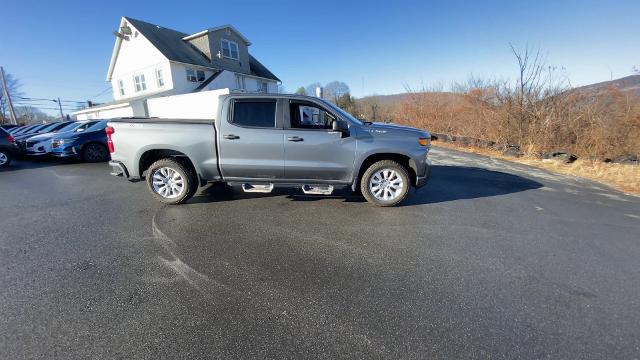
{"x": 21, "y": 139}
{"x": 88, "y": 143}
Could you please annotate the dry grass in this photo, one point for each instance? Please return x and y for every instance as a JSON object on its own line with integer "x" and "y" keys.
{"x": 625, "y": 178}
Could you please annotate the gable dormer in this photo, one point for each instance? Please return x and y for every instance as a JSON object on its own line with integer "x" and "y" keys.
{"x": 224, "y": 46}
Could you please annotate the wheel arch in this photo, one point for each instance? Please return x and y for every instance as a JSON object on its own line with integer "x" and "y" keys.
{"x": 370, "y": 159}
{"x": 150, "y": 156}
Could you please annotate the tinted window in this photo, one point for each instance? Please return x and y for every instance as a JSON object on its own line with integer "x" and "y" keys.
{"x": 255, "y": 113}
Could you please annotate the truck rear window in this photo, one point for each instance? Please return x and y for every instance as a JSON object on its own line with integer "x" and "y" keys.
{"x": 255, "y": 113}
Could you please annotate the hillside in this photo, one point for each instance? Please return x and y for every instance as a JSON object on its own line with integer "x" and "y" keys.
{"x": 628, "y": 84}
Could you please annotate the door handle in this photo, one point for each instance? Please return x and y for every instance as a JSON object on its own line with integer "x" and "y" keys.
{"x": 231, "y": 137}
{"x": 295, "y": 138}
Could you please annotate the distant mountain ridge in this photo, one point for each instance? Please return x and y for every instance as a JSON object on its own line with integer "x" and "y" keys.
{"x": 626, "y": 84}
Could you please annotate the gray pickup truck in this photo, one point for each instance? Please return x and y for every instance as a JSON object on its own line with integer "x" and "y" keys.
{"x": 262, "y": 141}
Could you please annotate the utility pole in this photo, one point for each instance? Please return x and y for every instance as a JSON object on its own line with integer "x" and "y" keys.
{"x": 6, "y": 93}
{"x": 61, "y": 113}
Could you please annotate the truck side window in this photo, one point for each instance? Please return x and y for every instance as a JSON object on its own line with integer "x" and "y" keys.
{"x": 306, "y": 116}
{"x": 255, "y": 113}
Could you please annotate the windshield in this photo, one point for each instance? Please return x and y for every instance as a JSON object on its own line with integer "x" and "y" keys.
{"x": 49, "y": 127}
{"x": 100, "y": 125}
{"x": 34, "y": 129}
{"x": 24, "y": 129}
{"x": 68, "y": 127}
{"x": 343, "y": 113}
{"x": 85, "y": 126}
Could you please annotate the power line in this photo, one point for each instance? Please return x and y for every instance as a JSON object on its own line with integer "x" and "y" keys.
{"x": 101, "y": 93}
{"x": 41, "y": 99}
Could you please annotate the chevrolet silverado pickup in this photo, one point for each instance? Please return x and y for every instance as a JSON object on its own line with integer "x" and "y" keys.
{"x": 262, "y": 141}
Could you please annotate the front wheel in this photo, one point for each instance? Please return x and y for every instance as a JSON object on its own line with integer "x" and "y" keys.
{"x": 5, "y": 158}
{"x": 171, "y": 182}
{"x": 385, "y": 183}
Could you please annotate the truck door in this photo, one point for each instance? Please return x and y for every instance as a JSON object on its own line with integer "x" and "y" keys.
{"x": 312, "y": 150}
{"x": 251, "y": 140}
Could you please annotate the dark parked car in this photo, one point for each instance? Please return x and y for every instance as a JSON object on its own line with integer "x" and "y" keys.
{"x": 8, "y": 148}
{"x": 86, "y": 143}
{"x": 21, "y": 140}
{"x": 22, "y": 129}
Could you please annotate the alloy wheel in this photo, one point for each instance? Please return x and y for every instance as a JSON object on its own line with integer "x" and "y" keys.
{"x": 386, "y": 184}
{"x": 167, "y": 183}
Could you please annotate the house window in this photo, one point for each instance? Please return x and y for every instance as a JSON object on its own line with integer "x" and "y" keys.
{"x": 262, "y": 86}
{"x": 240, "y": 84}
{"x": 159, "y": 78}
{"x": 195, "y": 75}
{"x": 138, "y": 80}
{"x": 121, "y": 87}
{"x": 230, "y": 49}
{"x": 191, "y": 75}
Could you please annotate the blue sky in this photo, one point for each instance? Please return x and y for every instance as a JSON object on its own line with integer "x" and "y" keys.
{"x": 62, "y": 48}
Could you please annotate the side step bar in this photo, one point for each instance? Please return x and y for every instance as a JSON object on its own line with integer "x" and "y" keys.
{"x": 317, "y": 189}
{"x": 257, "y": 188}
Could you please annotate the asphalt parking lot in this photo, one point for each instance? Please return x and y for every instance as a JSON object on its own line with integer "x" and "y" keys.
{"x": 490, "y": 260}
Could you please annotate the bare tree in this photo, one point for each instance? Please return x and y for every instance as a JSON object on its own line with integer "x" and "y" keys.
{"x": 32, "y": 115}
{"x": 13, "y": 88}
{"x": 335, "y": 90}
{"x": 311, "y": 88}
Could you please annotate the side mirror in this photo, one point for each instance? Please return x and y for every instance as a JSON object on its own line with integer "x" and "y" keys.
{"x": 338, "y": 125}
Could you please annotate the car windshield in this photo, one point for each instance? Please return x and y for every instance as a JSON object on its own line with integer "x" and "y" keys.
{"x": 34, "y": 129}
{"x": 49, "y": 127}
{"x": 343, "y": 113}
{"x": 100, "y": 125}
{"x": 68, "y": 127}
{"x": 24, "y": 129}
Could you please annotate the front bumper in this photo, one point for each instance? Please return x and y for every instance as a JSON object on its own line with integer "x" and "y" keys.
{"x": 66, "y": 152}
{"x": 422, "y": 180}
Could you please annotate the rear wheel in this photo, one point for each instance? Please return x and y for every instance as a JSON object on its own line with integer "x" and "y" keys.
{"x": 171, "y": 182}
{"x": 385, "y": 183}
{"x": 5, "y": 158}
{"x": 95, "y": 153}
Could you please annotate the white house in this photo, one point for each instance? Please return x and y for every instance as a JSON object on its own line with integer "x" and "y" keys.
{"x": 149, "y": 61}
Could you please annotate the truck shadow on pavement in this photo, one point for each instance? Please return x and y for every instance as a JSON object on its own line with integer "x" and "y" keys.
{"x": 447, "y": 183}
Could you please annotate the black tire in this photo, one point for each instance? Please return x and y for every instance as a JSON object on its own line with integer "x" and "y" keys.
{"x": 95, "y": 153}
{"x": 188, "y": 176}
{"x": 6, "y": 157}
{"x": 400, "y": 192}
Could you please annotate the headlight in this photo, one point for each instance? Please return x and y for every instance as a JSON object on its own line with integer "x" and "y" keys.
{"x": 424, "y": 141}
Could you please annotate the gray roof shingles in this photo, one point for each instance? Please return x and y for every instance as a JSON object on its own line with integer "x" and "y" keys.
{"x": 169, "y": 42}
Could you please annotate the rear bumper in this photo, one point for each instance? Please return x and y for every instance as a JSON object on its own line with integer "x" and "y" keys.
{"x": 118, "y": 169}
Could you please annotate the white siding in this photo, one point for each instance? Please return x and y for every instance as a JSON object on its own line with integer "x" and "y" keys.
{"x": 227, "y": 79}
{"x": 179, "y": 76}
{"x": 138, "y": 56}
{"x": 124, "y": 111}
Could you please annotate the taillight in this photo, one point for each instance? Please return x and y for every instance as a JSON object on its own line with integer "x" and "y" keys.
{"x": 11, "y": 139}
{"x": 109, "y": 130}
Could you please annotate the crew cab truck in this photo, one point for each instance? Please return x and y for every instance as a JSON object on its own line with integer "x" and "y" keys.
{"x": 260, "y": 141}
